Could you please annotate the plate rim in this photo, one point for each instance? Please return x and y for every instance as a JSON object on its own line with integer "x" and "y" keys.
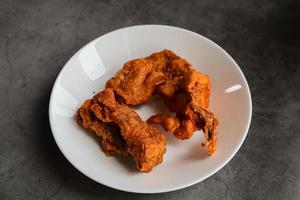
{"x": 181, "y": 186}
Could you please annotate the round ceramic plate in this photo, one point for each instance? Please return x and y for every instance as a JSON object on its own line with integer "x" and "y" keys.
{"x": 185, "y": 162}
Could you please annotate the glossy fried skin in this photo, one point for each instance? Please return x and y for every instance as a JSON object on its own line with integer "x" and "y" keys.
{"x": 144, "y": 143}
{"x": 110, "y": 139}
{"x": 182, "y": 88}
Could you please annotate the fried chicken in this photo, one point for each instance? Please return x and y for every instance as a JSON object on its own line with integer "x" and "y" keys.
{"x": 190, "y": 103}
{"x": 183, "y": 89}
{"x": 143, "y": 142}
{"x": 137, "y": 81}
{"x": 189, "y": 120}
{"x": 121, "y": 131}
{"x": 109, "y": 136}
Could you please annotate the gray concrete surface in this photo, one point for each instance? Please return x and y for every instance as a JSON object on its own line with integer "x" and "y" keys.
{"x": 38, "y": 37}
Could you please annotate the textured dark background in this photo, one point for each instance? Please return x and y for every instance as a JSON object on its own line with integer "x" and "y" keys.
{"x": 38, "y": 37}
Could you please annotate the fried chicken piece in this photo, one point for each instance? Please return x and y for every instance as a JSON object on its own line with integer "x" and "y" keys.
{"x": 139, "y": 78}
{"x": 184, "y": 90}
{"x": 190, "y": 104}
{"x": 183, "y": 127}
{"x": 110, "y": 139}
{"x": 144, "y": 143}
{"x": 197, "y": 85}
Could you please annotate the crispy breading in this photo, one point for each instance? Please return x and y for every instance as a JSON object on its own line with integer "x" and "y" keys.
{"x": 121, "y": 131}
{"x": 137, "y": 81}
{"x": 109, "y": 136}
{"x": 144, "y": 143}
{"x": 183, "y": 89}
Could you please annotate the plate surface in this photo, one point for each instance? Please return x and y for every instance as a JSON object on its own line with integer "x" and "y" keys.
{"x": 185, "y": 162}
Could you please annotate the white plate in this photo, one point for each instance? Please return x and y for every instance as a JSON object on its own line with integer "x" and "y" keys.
{"x": 185, "y": 162}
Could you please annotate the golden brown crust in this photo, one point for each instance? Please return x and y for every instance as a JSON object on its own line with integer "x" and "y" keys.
{"x": 121, "y": 131}
{"x": 137, "y": 81}
{"x": 110, "y": 139}
{"x": 190, "y": 104}
{"x": 143, "y": 142}
{"x": 182, "y": 88}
